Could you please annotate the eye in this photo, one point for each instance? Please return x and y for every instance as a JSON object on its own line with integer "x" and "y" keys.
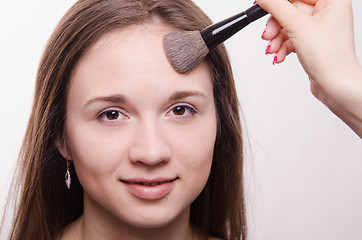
{"x": 182, "y": 111}
{"x": 179, "y": 110}
{"x": 111, "y": 115}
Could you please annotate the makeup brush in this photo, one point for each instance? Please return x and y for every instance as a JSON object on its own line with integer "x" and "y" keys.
{"x": 187, "y": 49}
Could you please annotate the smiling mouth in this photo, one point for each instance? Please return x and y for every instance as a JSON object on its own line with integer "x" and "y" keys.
{"x": 149, "y": 184}
{"x": 149, "y": 189}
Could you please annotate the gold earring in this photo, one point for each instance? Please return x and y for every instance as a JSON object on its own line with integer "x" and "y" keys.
{"x": 67, "y": 175}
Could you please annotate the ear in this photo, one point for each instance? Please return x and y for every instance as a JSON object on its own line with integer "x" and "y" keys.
{"x": 63, "y": 147}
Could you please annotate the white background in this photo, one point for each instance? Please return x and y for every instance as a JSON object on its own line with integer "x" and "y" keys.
{"x": 304, "y": 165}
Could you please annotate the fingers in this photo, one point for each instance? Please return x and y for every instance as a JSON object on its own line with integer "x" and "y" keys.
{"x": 285, "y": 49}
{"x": 310, "y": 2}
{"x": 283, "y": 11}
{"x": 272, "y": 29}
{"x": 275, "y": 44}
{"x": 279, "y": 29}
{"x": 279, "y": 42}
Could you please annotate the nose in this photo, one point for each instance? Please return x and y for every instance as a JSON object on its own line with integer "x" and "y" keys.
{"x": 149, "y": 146}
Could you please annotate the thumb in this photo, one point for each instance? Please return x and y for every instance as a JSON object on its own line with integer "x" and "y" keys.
{"x": 284, "y": 12}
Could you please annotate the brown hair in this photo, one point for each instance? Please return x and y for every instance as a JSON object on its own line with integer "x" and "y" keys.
{"x": 45, "y": 205}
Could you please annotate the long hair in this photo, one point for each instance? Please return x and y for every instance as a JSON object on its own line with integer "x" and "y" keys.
{"x": 44, "y": 205}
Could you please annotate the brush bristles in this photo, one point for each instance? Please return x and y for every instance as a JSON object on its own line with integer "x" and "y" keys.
{"x": 185, "y": 50}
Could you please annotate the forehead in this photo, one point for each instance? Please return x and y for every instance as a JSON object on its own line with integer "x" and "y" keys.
{"x": 133, "y": 57}
{"x": 134, "y": 44}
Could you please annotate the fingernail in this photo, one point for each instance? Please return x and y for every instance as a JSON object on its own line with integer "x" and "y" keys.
{"x": 267, "y": 49}
{"x": 262, "y": 36}
{"x": 254, "y": 2}
{"x": 275, "y": 60}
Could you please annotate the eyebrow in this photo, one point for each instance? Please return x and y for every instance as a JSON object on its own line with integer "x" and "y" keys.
{"x": 119, "y": 98}
{"x": 116, "y": 98}
{"x": 184, "y": 94}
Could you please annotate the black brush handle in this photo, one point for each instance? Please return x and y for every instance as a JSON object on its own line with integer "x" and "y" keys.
{"x": 217, "y": 33}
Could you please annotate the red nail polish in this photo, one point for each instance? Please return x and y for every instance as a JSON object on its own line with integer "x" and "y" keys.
{"x": 262, "y": 36}
{"x": 254, "y": 2}
{"x": 275, "y": 60}
{"x": 267, "y": 49}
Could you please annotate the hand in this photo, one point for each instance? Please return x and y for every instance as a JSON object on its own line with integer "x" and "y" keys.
{"x": 320, "y": 32}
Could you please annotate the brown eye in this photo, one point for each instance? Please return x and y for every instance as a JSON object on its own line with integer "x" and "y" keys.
{"x": 182, "y": 112}
{"x": 112, "y": 115}
{"x": 179, "y": 110}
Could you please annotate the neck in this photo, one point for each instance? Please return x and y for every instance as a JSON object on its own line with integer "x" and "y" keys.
{"x": 98, "y": 224}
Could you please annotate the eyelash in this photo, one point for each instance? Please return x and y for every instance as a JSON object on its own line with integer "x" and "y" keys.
{"x": 183, "y": 107}
{"x": 103, "y": 115}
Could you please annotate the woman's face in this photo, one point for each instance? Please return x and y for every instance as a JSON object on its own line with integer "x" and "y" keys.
{"x": 141, "y": 136}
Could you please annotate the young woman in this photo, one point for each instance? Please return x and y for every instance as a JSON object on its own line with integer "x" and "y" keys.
{"x": 120, "y": 146}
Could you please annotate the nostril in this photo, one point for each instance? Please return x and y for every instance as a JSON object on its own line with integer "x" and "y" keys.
{"x": 150, "y": 146}
{"x": 150, "y": 157}
{"x": 150, "y": 163}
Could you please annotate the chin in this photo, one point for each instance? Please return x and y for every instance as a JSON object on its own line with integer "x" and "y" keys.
{"x": 157, "y": 219}
{"x": 152, "y": 222}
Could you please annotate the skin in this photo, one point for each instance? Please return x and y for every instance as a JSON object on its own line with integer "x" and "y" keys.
{"x": 123, "y": 123}
{"x": 320, "y": 32}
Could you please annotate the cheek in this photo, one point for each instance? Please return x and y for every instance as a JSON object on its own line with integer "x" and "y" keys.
{"x": 195, "y": 165}
{"x": 195, "y": 152}
{"x": 94, "y": 156}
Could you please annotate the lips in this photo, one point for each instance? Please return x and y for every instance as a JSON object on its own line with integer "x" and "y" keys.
{"x": 151, "y": 184}
{"x": 150, "y": 189}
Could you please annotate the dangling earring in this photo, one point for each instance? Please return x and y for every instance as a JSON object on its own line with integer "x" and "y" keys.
{"x": 67, "y": 175}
